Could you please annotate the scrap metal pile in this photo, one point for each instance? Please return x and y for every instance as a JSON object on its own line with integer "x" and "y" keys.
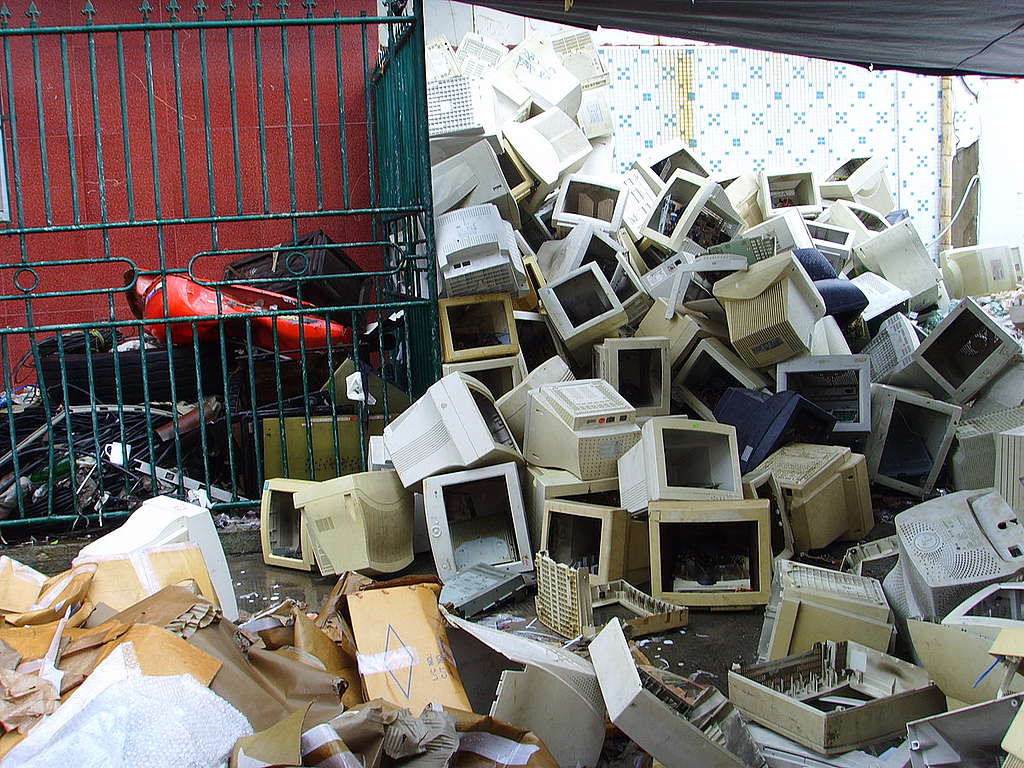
{"x": 664, "y": 394}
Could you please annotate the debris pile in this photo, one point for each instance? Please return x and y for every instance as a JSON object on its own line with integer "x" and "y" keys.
{"x": 662, "y": 393}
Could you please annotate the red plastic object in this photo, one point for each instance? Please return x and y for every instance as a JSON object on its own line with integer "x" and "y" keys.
{"x": 186, "y": 298}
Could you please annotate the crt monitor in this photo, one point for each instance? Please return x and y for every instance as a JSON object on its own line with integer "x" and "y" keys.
{"x": 796, "y": 189}
{"x": 453, "y": 426}
{"x": 839, "y": 384}
{"x": 765, "y": 423}
{"x": 581, "y": 426}
{"x": 283, "y": 534}
{"x": 477, "y": 327}
{"x": 638, "y": 368}
{"x": 499, "y": 374}
{"x": 513, "y": 403}
{"x": 710, "y": 370}
{"x": 583, "y": 307}
{"x": 977, "y": 271}
{"x": 589, "y": 200}
{"x": 549, "y": 145}
{"x": 680, "y": 458}
{"x": 359, "y": 522}
{"x": 477, "y": 516}
{"x": 949, "y": 548}
{"x": 591, "y": 536}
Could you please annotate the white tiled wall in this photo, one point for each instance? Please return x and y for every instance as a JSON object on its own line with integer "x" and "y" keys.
{"x": 742, "y": 109}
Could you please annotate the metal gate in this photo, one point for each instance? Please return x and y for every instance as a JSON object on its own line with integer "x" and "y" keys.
{"x": 165, "y": 165}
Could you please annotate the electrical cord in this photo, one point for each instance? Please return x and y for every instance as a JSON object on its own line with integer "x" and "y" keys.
{"x": 970, "y": 185}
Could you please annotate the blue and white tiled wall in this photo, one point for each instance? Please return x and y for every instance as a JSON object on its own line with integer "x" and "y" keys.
{"x": 752, "y": 110}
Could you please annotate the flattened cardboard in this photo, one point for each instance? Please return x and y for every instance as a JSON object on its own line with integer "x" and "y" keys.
{"x": 404, "y": 656}
{"x": 161, "y": 653}
{"x": 121, "y": 581}
{"x": 20, "y": 585}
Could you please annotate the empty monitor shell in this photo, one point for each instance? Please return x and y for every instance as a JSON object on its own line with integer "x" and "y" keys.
{"x": 499, "y": 374}
{"x": 765, "y": 422}
{"x": 589, "y": 200}
{"x": 711, "y": 369}
{"x": 965, "y": 351}
{"x": 512, "y": 404}
{"x": 549, "y": 144}
{"x": 692, "y": 213}
{"x": 990, "y": 610}
{"x": 477, "y": 516}
{"x": 839, "y": 384}
{"x": 1009, "y": 467}
{"x": 865, "y": 222}
{"x": 862, "y": 180}
{"x": 711, "y": 553}
{"x": 543, "y": 484}
{"x": 537, "y": 340}
{"x": 580, "y": 426}
{"x": 973, "y": 460}
{"x": 680, "y": 459}
{"x": 589, "y": 536}
{"x": 530, "y": 301}
{"x": 477, "y": 327}
{"x": 909, "y": 439}
{"x": 575, "y": 49}
{"x": 771, "y": 310}
{"x": 834, "y": 242}
{"x": 879, "y": 695}
{"x": 283, "y": 535}
{"x": 950, "y": 547}
{"x": 683, "y": 331}
{"x": 638, "y": 368}
{"x": 976, "y": 271}
{"x": 359, "y": 522}
{"x": 969, "y": 736}
{"x": 811, "y": 605}
{"x": 898, "y": 254}
{"x": 794, "y": 189}
{"x": 583, "y": 306}
{"x": 660, "y": 728}
{"x": 454, "y": 425}
{"x": 665, "y": 159}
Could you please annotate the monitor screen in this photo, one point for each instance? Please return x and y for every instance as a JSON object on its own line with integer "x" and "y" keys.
{"x": 713, "y": 556}
{"x": 480, "y": 521}
{"x": 707, "y": 379}
{"x": 961, "y": 348}
{"x": 498, "y": 379}
{"x": 582, "y": 298}
{"x": 915, "y": 436}
{"x": 696, "y": 459}
{"x": 478, "y": 324}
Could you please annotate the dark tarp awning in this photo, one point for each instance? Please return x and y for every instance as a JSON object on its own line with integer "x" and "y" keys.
{"x": 936, "y": 37}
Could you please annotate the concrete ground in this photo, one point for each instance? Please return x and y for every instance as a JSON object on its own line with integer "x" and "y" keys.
{"x": 703, "y": 651}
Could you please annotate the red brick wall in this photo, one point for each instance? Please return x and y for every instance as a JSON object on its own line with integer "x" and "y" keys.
{"x": 141, "y": 246}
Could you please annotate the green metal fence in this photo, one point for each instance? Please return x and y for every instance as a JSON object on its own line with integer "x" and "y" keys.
{"x": 162, "y": 165}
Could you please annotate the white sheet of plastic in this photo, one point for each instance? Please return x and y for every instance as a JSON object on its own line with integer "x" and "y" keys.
{"x": 119, "y": 718}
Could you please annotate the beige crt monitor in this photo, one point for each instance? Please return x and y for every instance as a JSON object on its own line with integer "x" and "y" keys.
{"x": 682, "y": 459}
{"x": 638, "y": 369}
{"x": 794, "y": 189}
{"x": 771, "y": 310}
{"x": 665, "y": 159}
{"x": 454, "y": 425}
{"x": 583, "y": 307}
{"x": 862, "y": 180}
{"x": 590, "y": 536}
{"x": 711, "y": 554}
{"x": 693, "y": 213}
{"x": 549, "y": 144}
{"x": 839, "y": 384}
{"x": 477, "y": 327}
{"x": 710, "y": 370}
{"x": 642, "y": 187}
{"x": 499, "y": 374}
{"x": 863, "y": 221}
{"x": 834, "y": 242}
{"x": 513, "y": 403}
{"x": 477, "y": 516}
{"x": 683, "y": 331}
{"x": 898, "y": 254}
{"x": 580, "y": 426}
{"x": 283, "y": 535}
{"x": 543, "y": 484}
{"x": 359, "y": 522}
{"x": 976, "y": 271}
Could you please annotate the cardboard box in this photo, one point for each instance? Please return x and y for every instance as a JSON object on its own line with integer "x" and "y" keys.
{"x": 404, "y": 656}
